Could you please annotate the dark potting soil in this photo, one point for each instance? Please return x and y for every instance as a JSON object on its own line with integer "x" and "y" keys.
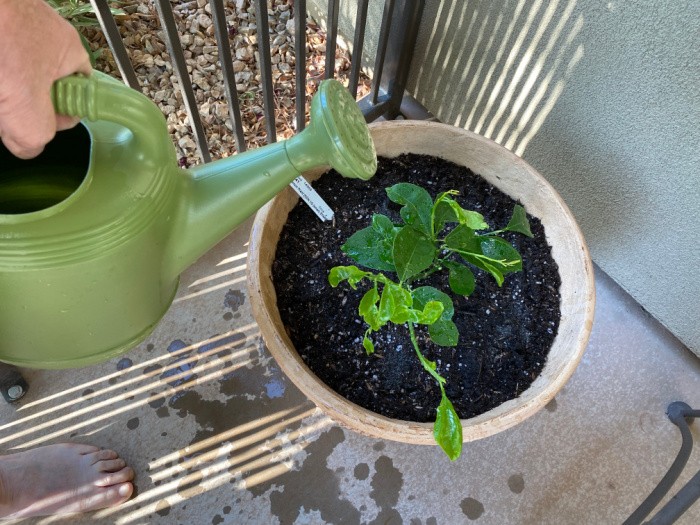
{"x": 505, "y": 333}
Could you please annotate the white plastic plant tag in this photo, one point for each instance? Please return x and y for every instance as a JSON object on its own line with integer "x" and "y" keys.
{"x": 313, "y": 199}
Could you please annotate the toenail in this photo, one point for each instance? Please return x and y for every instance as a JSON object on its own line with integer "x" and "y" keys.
{"x": 124, "y": 490}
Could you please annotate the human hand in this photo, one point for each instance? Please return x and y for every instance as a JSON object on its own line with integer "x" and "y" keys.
{"x": 38, "y": 47}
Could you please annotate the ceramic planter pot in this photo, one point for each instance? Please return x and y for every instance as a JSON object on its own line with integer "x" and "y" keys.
{"x": 513, "y": 176}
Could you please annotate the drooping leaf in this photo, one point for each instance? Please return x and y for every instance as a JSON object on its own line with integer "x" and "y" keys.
{"x": 370, "y": 248}
{"x": 443, "y": 332}
{"x": 461, "y": 278}
{"x": 470, "y": 219}
{"x": 395, "y": 304}
{"x": 518, "y": 222}
{"x": 447, "y": 430}
{"x": 412, "y": 253}
{"x": 500, "y": 250}
{"x": 350, "y": 273}
{"x": 367, "y": 343}
{"x": 490, "y": 253}
{"x": 369, "y": 311}
{"x": 417, "y": 205}
{"x": 485, "y": 264}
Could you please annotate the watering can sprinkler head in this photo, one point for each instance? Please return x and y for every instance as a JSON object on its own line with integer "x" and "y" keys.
{"x": 337, "y": 136}
{"x": 352, "y": 153}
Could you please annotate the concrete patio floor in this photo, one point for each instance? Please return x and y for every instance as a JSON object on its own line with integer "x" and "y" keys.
{"x": 216, "y": 434}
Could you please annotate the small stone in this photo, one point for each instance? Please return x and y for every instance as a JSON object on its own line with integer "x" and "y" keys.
{"x": 238, "y": 66}
{"x": 186, "y": 143}
{"x": 204, "y": 21}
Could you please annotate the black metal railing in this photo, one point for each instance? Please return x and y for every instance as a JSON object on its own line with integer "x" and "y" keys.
{"x": 398, "y": 33}
{"x": 680, "y": 415}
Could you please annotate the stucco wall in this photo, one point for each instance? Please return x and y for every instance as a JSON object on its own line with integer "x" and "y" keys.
{"x": 603, "y": 98}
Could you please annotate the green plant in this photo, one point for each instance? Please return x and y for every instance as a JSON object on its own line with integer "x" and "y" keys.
{"x": 414, "y": 250}
{"x": 81, "y": 14}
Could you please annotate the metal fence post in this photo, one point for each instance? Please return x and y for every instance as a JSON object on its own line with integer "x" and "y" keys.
{"x": 397, "y": 40}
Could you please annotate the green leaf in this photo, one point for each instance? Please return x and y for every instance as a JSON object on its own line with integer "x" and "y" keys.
{"x": 490, "y": 253}
{"x": 497, "y": 249}
{"x": 447, "y": 430}
{"x": 369, "y": 311}
{"x": 371, "y": 248}
{"x": 423, "y": 295}
{"x": 352, "y": 274}
{"x": 518, "y": 222}
{"x": 412, "y": 253}
{"x": 432, "y": 311}
{"x": 463, "y": 240}
{"x": 461, "y": 278}
{"x": 382, "y": 224}
{"x": 443, "y": 212}
{"x": 395, "y": 304}
{"x": 443, "y": 332}
{"x": 417, "y": 205}
{"x": 486, "y": 265}
{"x": 468, "y": 218}
{"x": 368, "y": 344}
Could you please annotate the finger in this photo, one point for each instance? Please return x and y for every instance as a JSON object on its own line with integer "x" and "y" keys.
{"x": 29, "y": 125}
{"x": 76, "y": 59}
{"x": 21, "y": 151}
{"x": 66, "y": 122}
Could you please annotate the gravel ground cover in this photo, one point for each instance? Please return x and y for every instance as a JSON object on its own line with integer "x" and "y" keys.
{"x": 145, "y": 44}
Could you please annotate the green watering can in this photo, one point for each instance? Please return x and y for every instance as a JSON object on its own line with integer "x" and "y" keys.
{"x": 95, "y": 231}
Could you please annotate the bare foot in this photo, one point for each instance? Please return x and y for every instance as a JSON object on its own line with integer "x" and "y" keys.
{"x": 62, "y": 479}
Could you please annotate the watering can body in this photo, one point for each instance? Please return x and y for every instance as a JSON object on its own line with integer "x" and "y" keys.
{"x": 95, "y": 232}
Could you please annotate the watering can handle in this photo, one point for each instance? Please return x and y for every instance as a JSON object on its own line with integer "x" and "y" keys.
{"x": 100, "y": 97}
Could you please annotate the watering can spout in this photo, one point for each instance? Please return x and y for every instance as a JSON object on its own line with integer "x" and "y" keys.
{"x": 220, "y": 195}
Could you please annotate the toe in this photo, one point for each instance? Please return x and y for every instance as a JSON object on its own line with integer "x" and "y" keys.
{"x": 111, "y": 465}
{"x": 108, "y": 497}
{"x": 103, "y": 455}
{"x": 115, "y": 478}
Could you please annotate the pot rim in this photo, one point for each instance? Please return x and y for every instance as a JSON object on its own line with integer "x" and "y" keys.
{"x": 563, "y": 234}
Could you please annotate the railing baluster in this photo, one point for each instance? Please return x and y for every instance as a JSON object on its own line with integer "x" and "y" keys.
{"x": 116, "y": 44}
{"x": 300, "y": 60}
{"x": 381, "y": 48}
{"x": 234, "y": 108}
{"x": 172, "y": 41}
{"x": 266, "y": 69}
{"x": 331, "y": 38}
{"x": 358, "y": 42}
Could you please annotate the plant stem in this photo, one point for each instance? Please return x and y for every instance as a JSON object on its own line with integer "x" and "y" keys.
{"x": 425, "y": 362}
{"x": 436, "y": 267}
